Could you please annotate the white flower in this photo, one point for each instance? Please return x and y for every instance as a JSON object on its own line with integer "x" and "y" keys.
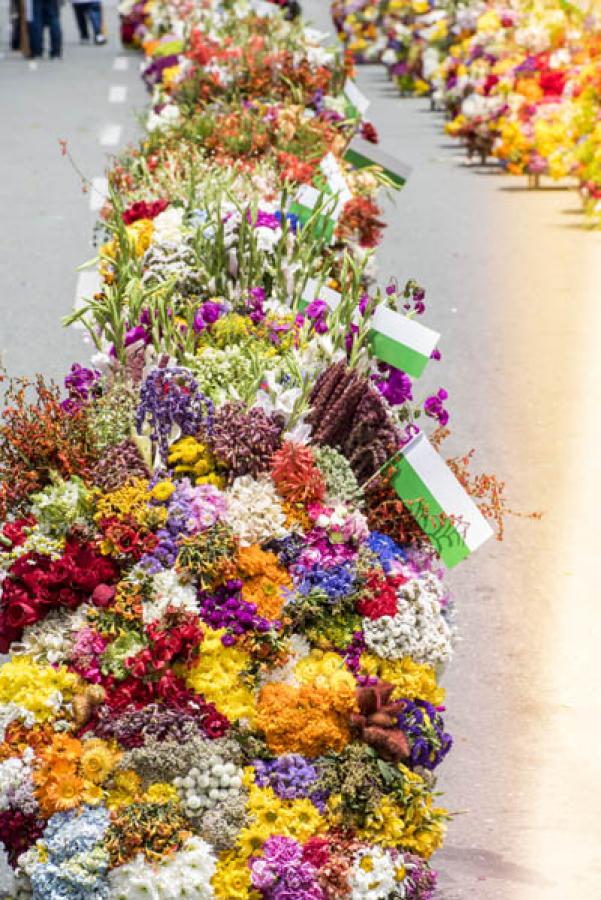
{"x": 418, "y": 629}
{"x": 254, "y": 510}
{"x": 186, "y": 873}
{"x": 167, "y": 118}
{"x": 167, "y": 226}
{"x": 373, "y": 876}
{"x": 168, "y": 592}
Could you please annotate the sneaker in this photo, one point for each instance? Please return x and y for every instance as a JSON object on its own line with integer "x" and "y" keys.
{"x": 100, "y": 39}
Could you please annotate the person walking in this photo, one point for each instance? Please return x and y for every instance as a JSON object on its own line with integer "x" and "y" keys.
{"x": 89, "y": 12}
{"x": 46, "y": 14}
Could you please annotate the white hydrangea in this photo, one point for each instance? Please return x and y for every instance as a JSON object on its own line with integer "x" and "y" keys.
{"x": 168, "y": 592}
{"x": 187, "y": 873}
{"x": 254, "y": 510}
{"x": 418, "y": 630}
{"x": 373, "y": 876}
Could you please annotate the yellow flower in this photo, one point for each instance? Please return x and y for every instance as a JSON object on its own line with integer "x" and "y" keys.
{"x": 125, "y": 790}
{"x": 231, "y": 880}
{"x": 41, "y": 689}
{"x": 97, "y": 761}
{"x": 140, "y": 235}
{"x": 217, "y": 675}
{"x": 93, "y": 794}
{"x": 411, "y": 680}
{"x": 162, "y": 491}
{"x": 325, "y": 671}
{"x": 161, "y": 793}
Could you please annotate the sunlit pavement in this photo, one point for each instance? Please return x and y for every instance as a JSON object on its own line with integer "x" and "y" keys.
{"x": 514, "y": 285}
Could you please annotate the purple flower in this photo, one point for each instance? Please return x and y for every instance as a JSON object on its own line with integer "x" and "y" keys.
{"x": 264, "y": 219}
{"x": 394, "y": 385}
{"x": 208, "y": 313}
{"x": 434, "y": 408}
{"x": 138, "y": 333}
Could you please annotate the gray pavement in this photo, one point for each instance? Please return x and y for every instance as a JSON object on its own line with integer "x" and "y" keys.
{"x": 514, "y": 282}
{"x": 46, "y": 225}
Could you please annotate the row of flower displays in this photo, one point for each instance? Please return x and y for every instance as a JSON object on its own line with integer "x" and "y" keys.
{"x": 223, "y": 546}
{"x": 518, "y": 81}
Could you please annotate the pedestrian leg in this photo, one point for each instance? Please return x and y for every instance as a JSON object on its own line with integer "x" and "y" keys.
{"x": 95, "y": 12}
{"x": 56, "y": 34}
{"x": 81, "y": 18}
{"x": 37, "y": 28}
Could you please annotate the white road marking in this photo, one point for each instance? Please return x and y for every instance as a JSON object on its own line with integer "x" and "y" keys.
{"x": 117, "y": 93}
{"x": 121, "y": 64}
{"x": 33, "y": 65}
{"x": 110, "y": 135}
{"x": 98, "y": 193}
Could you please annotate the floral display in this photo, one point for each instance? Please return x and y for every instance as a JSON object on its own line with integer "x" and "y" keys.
{"x": 227, "y": 625}
{"x": 518, "y": 81}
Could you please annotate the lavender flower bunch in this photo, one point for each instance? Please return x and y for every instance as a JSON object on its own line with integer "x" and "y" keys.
{"x": 170, "y": 397}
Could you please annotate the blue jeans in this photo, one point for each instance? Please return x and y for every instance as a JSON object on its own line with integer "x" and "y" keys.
{"x": 85, "y": 11}
{"x": 46, "y": 13}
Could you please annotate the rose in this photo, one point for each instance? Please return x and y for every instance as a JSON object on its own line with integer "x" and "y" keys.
{"x": 102, "y": 595}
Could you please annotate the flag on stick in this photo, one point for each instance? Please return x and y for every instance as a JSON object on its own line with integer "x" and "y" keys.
{"x": 357, "y": 103}
{"x": 401, "y": 342}
{"x": 438, "y": 502}
{"x": 311, "y": 293}
{"x": 304, "y": 204}
{"x": 362, "y": 154}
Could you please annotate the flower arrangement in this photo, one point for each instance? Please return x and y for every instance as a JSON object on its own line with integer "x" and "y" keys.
{"x": 518, "y": 83}
{"x": 227, "y": 621}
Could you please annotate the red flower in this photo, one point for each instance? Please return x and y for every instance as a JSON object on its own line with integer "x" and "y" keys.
{"x": 37, "y": 583}
{"x": 143, "y": 210}
{"x": 379, "y": 596}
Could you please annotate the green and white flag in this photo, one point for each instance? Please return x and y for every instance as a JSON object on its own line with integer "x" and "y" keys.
{"x": 356, "y": 103}
{"x": 362, "y": 154}
{"x": 304, "y": 204}
{"x": 437, "y": 501}
{"x": 393, "y": 338}
{"x": 400, "y": 341}
{"x": 313, "y": 292}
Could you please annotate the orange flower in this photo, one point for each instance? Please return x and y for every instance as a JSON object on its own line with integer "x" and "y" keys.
{"x": 304, "y": 720}
{"x": 62, "y": 747}
{"x": 59, "y": 794}
{"x": 263, "y": 580}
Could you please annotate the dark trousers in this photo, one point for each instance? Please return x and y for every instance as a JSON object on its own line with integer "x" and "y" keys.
{"x": 46, "y": 14}
{"x": 85, "y": 12}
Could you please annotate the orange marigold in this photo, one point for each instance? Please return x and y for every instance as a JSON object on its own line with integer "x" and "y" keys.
{"x": 263, "y": 579}
{"x": 304, "y": 720}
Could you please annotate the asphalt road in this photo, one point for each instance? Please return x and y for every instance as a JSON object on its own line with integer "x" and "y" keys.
{"x": 513, "y": 283}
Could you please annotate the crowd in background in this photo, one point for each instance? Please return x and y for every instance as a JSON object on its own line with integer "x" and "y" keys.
{"x": 30, "y": 19}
